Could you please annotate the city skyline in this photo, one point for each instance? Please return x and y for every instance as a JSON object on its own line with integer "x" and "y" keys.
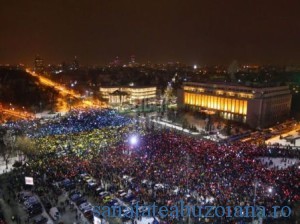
{"x": 193, "y": 32}
{"x": 189, "y": 108}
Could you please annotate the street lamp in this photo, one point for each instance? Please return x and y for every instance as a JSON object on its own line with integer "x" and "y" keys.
{"x": 254, "y": 199}
{"x": 270, "y": 190}
{"x": 133, "y": 140}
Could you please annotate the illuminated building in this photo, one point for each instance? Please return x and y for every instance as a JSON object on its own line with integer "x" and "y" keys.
{"x": 38, "y": 64}
{"x": 258, "y": 107}
{"x": 127, "y": 94}
{"x": 75, "y": 64}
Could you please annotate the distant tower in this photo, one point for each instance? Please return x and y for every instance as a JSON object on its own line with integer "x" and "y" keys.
{"x": 132, "y": 59}
{"x": 233, "y": 68}
{"x": 75, "y": 64}
{"x": 117, "y": 62}
{"x": 38, "y": 64}
{"x": 132, "y": 62}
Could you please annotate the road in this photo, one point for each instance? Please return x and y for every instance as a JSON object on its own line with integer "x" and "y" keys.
{"x": 48, "y": 82}
{"x": 64, "y": 91}
{"x": 17, "y": 113}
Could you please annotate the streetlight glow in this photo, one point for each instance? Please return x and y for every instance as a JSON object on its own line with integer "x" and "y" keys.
{"x": 133, "y": 140}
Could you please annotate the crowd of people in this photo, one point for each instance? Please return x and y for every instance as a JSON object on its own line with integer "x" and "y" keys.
{"x": 95, "y": 142}
{"x": 77, "y": 121}
{"x": 226, "y": 173}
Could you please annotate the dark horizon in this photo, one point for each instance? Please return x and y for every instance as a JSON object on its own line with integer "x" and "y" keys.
{"x": 192, "y": 32}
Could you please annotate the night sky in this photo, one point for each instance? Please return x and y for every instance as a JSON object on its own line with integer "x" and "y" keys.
{"x": 193, "y": 32}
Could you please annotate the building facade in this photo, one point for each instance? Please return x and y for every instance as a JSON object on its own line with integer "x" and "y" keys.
{"x": 38, "y": 64}
{"x": 127, "y": 94}
{"x": 257, "y": 107}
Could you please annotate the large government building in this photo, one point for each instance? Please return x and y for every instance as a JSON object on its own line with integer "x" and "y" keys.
{"x": 117, "y": 95}
{"x": 258, "y": 107}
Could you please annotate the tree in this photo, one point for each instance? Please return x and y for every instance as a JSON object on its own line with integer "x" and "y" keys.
{"x": 102, "y": 98}
{"x": 169, "y": 92}
{"x": 233, "y": 69}
{"x": 185, "y": 123}
{"x": 228, "y": 128}
{"x": 7, "y": 148}
{"x": 26, "y": 145}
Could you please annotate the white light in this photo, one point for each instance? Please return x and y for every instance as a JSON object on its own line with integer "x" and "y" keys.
{"x": 133, "y": 140}
{"x": 97, "y": 220}
{"x": 195, "y": 66}
{"x": 29, "y": 180}
{"x": 270, "y": 190}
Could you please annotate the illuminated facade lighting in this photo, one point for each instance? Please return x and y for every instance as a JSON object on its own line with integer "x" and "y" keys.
{"x": 258, "y": 107}
{"x": 127, "y": 94}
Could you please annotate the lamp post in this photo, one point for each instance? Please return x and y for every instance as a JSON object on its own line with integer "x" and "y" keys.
{"x": 133, "y": 141}
{"x": 254, "y": 199}
{"x": 187, "y": 183}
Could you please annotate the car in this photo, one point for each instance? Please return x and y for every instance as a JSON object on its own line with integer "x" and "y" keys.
{"x": 112, "y": 202}
{"x": 106, "y": 199}
{"x": 90, "y": 180}
{"x": 175, "y": 190}
{"x": 92, "y": 185}
{"x": 117, "y": 204}
{"x": 86, "y": 178}
{"x": 122, "y": 195}
{"x": 67, "y": 184}
{"x": 73, "y": 193}
{"x": 54, "y": 213}
{"x": 82, "y": 175}
{"x": 30, "y": 204}
{"x": 33, "y": 206}
{"x": 70, "y": 186}
{"x": 80, "y": 201}
{"x": 75, "y": 197}
{"x": 40, "y": 220}
{"x": 159, "y": 186}
{"x": 30, "y": 200}
{"x": 128, "y": 198}
{"x": 103, "y": 194}
{"x": 35, "y": 212}
{"x": 89, "y": 214}
{"x": 99, "y": 190}
{"x": 120, "y": 192}
{"x": 126, "y": 214}
{"x": 83, "y": 205}
{"x": 64, "y": 182}
{"x": 88, "y": 208}
{"x": 147, "y": 183}
{"x": 22, "y": 196}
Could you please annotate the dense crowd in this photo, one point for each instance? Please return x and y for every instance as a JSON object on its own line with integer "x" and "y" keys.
{"x": 225, "y": 173}
{"x": 211, "y": 173}
{"x": 87, "y": 143}
{"x": 77, "y": 121}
